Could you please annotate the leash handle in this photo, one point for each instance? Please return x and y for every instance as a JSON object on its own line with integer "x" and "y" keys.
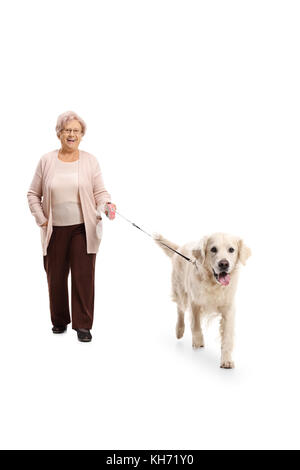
{"x": 110, "y": 210}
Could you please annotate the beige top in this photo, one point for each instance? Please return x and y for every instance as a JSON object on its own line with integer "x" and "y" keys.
{"x": 65, "y": 199}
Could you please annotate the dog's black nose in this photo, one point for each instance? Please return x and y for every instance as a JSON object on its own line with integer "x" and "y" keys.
{"x": 223, "y": 264}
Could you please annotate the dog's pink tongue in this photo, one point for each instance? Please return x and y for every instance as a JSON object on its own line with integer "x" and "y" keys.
{"x": 224, "y": 280}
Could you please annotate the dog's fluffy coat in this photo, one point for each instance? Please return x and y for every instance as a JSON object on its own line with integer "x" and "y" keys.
{"x": 203, "y": 288}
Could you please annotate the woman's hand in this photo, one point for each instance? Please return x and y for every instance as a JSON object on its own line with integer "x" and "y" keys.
{"x": 110, "y": 210}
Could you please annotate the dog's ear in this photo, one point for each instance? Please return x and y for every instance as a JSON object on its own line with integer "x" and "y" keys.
{"x": 244, "y": 252}
{"x": 200, "y": 252}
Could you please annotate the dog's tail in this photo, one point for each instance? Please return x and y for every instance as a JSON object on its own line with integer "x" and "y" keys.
{"x": 162, "y": 242}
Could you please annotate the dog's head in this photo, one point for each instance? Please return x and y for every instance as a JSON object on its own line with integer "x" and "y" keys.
{"x": 220, "y": 254}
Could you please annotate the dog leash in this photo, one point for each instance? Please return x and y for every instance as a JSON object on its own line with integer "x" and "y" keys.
{"x": 149, "y": 235}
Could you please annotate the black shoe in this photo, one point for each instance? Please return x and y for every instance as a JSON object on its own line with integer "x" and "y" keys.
{"x": 84, "y": 335}
{"x": 59, "y": 329}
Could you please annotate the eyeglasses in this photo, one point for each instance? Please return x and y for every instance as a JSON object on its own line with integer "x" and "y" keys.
{"x": 68, "y": 131}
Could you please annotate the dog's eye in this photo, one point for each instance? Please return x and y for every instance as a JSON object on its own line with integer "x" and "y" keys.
{"x": 213, "y": 249}
{"x": 231, "y": 250}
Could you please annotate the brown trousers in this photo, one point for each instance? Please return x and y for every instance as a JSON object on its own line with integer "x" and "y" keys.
{"x": 67, "y": 249}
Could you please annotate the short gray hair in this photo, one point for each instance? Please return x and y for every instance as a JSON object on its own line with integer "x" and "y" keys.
{"x": 66, "y": 117}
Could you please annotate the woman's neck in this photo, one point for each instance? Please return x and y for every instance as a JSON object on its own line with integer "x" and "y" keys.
{"x": 67, "y": 155}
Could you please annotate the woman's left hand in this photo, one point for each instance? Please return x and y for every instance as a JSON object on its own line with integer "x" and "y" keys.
{"x": 110, "y": 210}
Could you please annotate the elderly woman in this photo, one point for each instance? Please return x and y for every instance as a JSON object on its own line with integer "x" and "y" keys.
{"x": 66, "y": 197}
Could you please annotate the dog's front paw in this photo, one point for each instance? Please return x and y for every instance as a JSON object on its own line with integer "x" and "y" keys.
{"x": 227, "y": 365}
{"x": 179, "y": 331}
{"x": 198, "y": 342}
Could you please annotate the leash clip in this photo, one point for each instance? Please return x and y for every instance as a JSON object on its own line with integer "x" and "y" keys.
{"x": 194, "y": 262}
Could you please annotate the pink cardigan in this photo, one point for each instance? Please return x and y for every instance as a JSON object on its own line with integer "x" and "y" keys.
{"x": 92, "y": 192}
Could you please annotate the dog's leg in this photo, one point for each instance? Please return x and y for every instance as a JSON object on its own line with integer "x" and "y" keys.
{"x": 197, "y": 335}
{"x": 227, "y": 336}
{"x": 180, "y": 323}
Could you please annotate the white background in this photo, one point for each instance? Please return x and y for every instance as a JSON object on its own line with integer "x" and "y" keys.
{"x": 192, "y": 110}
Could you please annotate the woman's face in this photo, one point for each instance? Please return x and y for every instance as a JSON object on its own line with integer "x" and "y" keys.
{"x": 70, "y": 136}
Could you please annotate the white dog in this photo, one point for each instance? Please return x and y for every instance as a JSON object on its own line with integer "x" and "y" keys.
{"x": 207, "y": 285}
